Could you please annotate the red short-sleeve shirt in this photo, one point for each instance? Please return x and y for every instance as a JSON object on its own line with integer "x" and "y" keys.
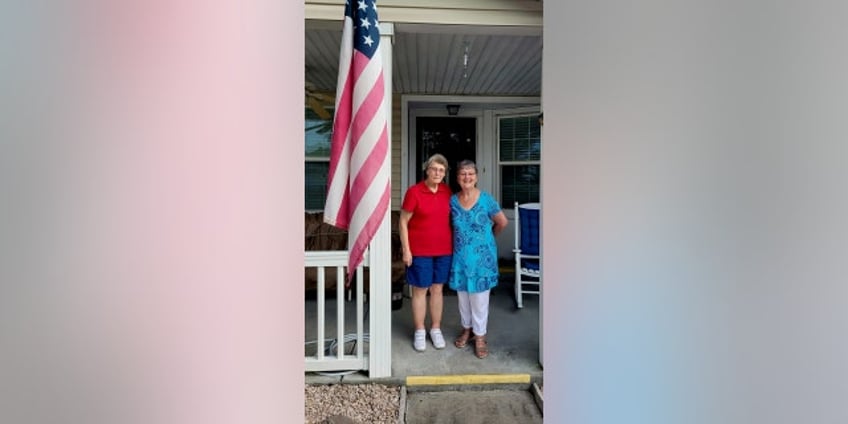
{"x": 429, "y": 227}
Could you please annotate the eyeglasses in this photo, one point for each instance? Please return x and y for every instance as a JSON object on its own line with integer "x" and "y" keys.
{"x": 467, "y": 174}
{"x": 437, "y": 170}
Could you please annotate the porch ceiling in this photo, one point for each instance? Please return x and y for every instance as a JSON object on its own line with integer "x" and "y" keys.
{"x": 429, "y": 59}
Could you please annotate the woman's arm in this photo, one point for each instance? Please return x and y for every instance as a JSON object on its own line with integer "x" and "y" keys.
{"x": 500, "y": 221}
{"x": 403, "y": 229}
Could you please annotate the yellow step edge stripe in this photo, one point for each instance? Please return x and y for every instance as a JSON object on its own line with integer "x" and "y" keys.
{"x": 435, "y": 380}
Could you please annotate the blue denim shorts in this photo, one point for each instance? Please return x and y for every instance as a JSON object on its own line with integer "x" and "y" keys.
{"x": 427, "y": 270}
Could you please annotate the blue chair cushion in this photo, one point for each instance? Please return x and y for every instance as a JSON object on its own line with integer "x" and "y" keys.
{"x": 531, "y": 264}
{"x": 529, "y": 220}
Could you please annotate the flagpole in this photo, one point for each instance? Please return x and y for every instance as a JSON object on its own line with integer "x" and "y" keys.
{"x": 380, "y": 248}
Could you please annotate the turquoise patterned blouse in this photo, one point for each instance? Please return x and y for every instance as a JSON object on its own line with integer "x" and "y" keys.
{"x": 475, "y": 252}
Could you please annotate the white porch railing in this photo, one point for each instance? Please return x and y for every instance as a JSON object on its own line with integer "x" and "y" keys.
{"x": 378, "y": 360}
{"x": 325, "y": 359}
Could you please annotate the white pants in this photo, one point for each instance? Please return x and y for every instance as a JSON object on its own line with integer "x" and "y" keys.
{"x": 474, "y": 311}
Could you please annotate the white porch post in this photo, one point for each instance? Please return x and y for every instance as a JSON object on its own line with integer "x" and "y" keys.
{"x": 380, "y": 322}
{"x": 541, "y": 259}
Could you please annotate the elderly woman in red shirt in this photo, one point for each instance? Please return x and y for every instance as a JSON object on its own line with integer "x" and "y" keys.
{"x": 426, "y": 238}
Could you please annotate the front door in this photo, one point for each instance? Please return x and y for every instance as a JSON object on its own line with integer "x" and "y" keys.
{"x": 453, "y": 137}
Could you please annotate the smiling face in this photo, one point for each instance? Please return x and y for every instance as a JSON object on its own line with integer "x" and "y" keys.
{"x": 435, "y": 173}
{"x": 467, "y": 177}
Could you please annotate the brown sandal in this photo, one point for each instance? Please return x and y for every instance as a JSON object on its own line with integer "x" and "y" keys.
{"x": 481, "y": 348}
{"x": 462, "y": 340}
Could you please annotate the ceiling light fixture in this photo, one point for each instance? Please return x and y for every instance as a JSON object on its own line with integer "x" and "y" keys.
{"x": 465, "y": 61}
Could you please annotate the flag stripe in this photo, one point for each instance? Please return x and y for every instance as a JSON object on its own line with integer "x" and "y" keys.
{"x": 370, "y": 172}
{"x": 372, "y": 145}
{"x": 368, "y": 110}
{"x": 343, "y": 95}
{"x": 374, "y": 191}
{"x": 364, "y": 117}
{"x": 357, "y": 251}
{"x": 336, "y": 209}
{"x": 366, "y": 75}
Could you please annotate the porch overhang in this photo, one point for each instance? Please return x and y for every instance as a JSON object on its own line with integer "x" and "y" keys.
{"x": 507, "y": 13}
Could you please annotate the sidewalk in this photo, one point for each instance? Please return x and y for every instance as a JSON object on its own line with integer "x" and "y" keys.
{"x": 472, "y": 406}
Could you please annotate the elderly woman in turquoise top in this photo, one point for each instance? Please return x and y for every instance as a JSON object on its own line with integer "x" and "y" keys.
{"x": 477, "y": 218}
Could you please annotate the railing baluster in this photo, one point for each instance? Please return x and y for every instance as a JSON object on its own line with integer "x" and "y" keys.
{"x": 340, "y": 318}
{"x": 360, "y": 319}
{"x": 320, "y": 351}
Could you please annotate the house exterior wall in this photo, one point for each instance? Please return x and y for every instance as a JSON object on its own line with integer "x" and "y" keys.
{"x": 397, "y": 189}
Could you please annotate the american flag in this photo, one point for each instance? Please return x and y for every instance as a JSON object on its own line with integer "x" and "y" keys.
{"x": 359, "y": 183}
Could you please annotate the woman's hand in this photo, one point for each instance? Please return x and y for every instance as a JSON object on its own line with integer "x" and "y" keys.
{"x": 407, "y": 258}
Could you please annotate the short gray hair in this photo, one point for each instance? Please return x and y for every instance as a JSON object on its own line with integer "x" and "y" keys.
{"x": 466, "y": 163}
{"x": 436, "y": 158}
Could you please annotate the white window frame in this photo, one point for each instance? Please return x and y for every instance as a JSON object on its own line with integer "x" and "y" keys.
{"x": 497, "y": 189}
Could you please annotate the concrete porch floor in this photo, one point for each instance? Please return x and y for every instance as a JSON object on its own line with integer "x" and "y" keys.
{"x": 513, "y": 341}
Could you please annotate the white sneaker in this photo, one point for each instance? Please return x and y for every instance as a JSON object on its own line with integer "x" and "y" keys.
{"x": 419, "y": 340}
{"x": 438, "y": 339}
